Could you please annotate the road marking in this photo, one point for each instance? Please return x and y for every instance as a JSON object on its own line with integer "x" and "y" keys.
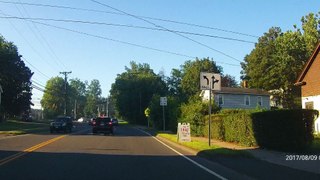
{"x": 192, "y": 161}
{"x": 29, "y": 150}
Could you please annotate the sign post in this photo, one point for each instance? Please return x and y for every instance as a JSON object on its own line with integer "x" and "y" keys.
{"x": 210, "y": 81}
{"x": 1, "y": 91}
{"x": 163, "y": 103}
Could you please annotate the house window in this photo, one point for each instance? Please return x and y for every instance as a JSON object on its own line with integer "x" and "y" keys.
{"x": 247, "y": 100}
{"x": 221, "y": 100}
{"x": 259, "y": 101}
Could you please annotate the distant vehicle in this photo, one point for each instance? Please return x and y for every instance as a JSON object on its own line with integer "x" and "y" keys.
{"x": 81, "y": 119}
{"x": 115, "y": 121}
{"x": 61, "y": 124}
{"x": 102, "y": 124}
{"x": 91, "y": 120}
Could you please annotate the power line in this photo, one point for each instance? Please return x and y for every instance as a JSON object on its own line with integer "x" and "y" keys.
{"x": 35, "y": 68}
{"x": 123, "y": 42}
{"x": 149, "y": 22}
{"x": 146, "y": 17}
{"x": 129, "y": 26}
{"x": 26, "y": 40}
{"x": 40, "y": 37}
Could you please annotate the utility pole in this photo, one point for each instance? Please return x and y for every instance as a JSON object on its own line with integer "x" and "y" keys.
{"x": 65, "y": 90}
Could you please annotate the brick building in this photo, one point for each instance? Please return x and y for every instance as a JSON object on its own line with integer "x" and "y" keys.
{"x": 309, "y": 80}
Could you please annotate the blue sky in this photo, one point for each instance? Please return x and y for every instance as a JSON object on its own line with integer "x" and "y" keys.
{"x": 51, "y": 50}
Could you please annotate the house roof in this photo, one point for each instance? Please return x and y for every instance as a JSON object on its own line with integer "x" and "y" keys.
{"x": 307, "y": 66}
{"x": 229, "y": 90}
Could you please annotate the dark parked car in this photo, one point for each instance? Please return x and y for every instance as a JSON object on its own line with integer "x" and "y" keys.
{"x": 115, "y": 121}
{"x": 102, "y": 125}
{"x": 61, "y": 124}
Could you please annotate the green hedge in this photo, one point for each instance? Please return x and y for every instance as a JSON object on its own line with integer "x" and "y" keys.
{"x": 279, "y": 130}
{"x": 284, "y": 129}
{"x": 232, "y": 126}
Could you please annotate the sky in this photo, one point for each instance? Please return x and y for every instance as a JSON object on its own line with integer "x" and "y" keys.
{"x": 97, "y": 39}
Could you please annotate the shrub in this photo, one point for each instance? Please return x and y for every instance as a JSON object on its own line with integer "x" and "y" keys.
{"x": 287, "y": 130}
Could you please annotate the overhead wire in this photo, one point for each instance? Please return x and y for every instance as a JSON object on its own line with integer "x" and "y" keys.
{"x": 46, "y": 43}
{"x": 40, "y": 38}
{"x": 122, "y": 42}
{"x": 125, "y": 25}
{"x": 128, "y": 43}
{"x": 149, "y": 22}
{"x": 117, "y": 13}
{"x": 25, "y": 39}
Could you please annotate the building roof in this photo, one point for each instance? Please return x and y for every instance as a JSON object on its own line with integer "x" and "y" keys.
{"x": 229, "y": 90}
{"x": 307, "y": 66}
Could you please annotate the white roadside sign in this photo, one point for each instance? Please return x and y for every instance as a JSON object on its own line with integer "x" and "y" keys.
{"x": 163, "y": 101}
{"x": 184, "y": 134}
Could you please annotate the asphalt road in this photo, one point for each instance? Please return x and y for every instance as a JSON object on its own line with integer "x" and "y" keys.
{"x": 129, "y": 154}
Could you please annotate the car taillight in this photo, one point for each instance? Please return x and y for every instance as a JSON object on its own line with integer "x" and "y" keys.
{"x": 110, "y": 123}
{"x": 94, "y": 123}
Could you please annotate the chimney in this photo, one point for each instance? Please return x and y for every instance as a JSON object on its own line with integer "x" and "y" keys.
{"x": 245, "y": 84}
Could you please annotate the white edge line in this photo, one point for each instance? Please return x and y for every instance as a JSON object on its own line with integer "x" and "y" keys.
{"x": 192, "y": 161}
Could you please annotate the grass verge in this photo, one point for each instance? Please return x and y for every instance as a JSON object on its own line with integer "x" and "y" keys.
{"x": 13, "y": 127}
{"x": 204, "y": 149}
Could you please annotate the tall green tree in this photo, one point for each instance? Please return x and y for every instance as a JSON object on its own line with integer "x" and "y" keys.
{"x": 278, "y": 58}
{"x": 93, "y": 97}
{"x": 78, "y": 97}
{"x": 133, "y": 90}
{"x": 53, "y": 98}
{"x": 190, "y": 83}
{"x": 311, "y": 31}
{"x": 15, "y": 79}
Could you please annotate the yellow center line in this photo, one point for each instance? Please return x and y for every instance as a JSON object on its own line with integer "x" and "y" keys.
{"x": 29, "y": 150}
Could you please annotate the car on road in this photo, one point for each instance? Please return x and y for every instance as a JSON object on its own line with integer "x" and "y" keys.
{"x": 61, "y": 124}
{"x": 102, "y": 125}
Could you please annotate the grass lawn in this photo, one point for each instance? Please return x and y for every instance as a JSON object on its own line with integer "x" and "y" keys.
{"x": 13, "y": 127}
{"x": 204, "y": 148}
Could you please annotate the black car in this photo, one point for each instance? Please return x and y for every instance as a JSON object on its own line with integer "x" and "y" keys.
{"x": 102, "y": 125}
{"x": 61, "y": 124}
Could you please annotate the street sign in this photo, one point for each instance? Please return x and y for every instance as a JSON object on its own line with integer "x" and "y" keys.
{"x": 210, "y": 81}
{"x": 184, "y": 132}
{"x": 163, "y": 101}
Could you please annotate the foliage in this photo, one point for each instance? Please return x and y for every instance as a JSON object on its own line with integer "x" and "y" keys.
{"x": 278, "y": 58}
{"x": 78, "y": 96}
{"x": 15, "y": 79}
{"x": 93, "y": 97}
{"x": 288, "y": 130}
{"x": 190, "y": 83}
{"x": 53, "y": 98}
{"x": 133, "y": 90}
{"x": 171, "y": 111}
{"x": 233, "y": 126}
{"x": 194, "y": 112}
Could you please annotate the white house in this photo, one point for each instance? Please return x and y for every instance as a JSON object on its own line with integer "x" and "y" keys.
{"x": 309, "y": 80}
{"x": 239, "y": 98}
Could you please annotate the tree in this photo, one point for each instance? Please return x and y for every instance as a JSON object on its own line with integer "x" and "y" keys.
{"x": 133, "y": 90}
{"x": 278, "y": 58}
{"x": 190, "y": 84}
{"x": 228, "y": 81}
{"x": 93, "y": 97}
{"x": 53, "y": 98}
{"x": 15, "y": 79}
{"x": 310, "y": 27}
{"x": 78, "y": 97}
